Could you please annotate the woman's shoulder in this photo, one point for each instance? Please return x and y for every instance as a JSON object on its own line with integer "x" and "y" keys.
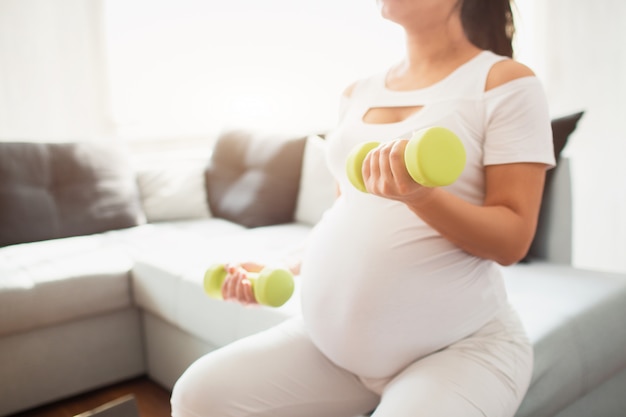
{"x": 361, "y": 89}
{"x": 505, "y": 71}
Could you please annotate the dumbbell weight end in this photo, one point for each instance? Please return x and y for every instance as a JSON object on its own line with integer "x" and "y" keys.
{"x": 354, "y": 164}
{"x": 213, "y": 280}
{"x": 434, "y": 157}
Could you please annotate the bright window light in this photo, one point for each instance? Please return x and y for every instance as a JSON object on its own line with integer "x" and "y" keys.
{"x": 190, "y": 66}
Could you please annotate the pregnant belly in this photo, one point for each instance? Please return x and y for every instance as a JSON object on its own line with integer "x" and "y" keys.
{"x": 380, "y": 292}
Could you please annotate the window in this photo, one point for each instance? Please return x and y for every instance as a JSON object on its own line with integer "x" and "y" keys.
{"x": 190, "y": 66}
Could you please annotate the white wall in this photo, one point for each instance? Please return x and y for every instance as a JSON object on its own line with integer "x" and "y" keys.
{"x": 579, "y": 50}
{"x": 202, "y": 65}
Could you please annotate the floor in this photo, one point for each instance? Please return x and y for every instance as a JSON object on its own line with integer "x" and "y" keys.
{"x": 152, "y": 400}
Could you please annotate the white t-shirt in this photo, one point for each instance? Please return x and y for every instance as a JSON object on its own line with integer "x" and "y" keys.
{"x": 381, "y": 288}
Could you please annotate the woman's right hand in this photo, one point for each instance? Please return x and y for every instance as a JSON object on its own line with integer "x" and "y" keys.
{"x": 237, "y": 287}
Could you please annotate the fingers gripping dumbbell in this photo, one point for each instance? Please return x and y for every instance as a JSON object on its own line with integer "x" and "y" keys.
{"x": 434, "y": 157}
{"x": 271, "y": 287}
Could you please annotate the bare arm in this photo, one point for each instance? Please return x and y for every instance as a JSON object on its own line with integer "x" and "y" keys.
{"x": 502, "y": 227}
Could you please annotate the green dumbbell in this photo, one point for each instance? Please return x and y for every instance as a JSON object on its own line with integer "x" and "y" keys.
{"x": 271, "y": 287}
{"x": 434, "y": 157}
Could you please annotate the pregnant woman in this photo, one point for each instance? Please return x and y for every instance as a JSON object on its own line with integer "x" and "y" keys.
{"x": 404, "y": 310}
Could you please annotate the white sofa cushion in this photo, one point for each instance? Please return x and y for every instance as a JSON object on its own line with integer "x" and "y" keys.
{"x": 173, "y": 189}
{"x": 574, "y": 318}
{"x": 49, "y": 282}
{"x": 317, "y": 185}
{"x": 54, "y": 281}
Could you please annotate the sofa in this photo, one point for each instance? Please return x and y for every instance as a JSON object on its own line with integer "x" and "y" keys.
{"x": 102, "y": 258}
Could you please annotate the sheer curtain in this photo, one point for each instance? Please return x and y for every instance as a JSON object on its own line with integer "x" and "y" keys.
{"x": 52, "y": 83}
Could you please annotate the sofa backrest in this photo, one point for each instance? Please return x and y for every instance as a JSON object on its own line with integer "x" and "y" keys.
{"x": 553, "y": 239}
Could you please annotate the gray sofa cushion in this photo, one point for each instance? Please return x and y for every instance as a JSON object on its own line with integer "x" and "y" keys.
{"x": 574, "y": 318}
{"x": 54, "y": 190}
{"x": 562, "y": 128}
{"x": 253, "y": 180}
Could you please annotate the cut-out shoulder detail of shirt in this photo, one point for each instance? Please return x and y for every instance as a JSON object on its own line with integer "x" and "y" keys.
{"x": 505, "y": 71}
{"x": 347, "y": 93}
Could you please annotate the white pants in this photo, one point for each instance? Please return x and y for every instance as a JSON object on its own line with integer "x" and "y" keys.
{"x": 280, "y": 373}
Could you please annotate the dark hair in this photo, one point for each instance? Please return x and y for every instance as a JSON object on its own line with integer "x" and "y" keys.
{"x": 489, "y": 24}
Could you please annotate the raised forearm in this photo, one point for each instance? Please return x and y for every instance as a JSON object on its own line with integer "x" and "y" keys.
{"x": 492, "y": 232}
{"x": 502, "y": 228}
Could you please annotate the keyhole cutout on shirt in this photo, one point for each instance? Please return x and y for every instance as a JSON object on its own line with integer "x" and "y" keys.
{"x": 383, "y": 115}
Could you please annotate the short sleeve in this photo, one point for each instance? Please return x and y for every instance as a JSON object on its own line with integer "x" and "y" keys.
{"x": 518, "y": 124}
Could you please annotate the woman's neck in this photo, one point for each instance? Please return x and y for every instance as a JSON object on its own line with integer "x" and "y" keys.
{"x": 431, "y": 54}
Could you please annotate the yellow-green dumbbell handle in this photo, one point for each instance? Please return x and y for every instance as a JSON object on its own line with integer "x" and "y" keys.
{"x": 434, "y": 157}
{"x": 271, "y": 287}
